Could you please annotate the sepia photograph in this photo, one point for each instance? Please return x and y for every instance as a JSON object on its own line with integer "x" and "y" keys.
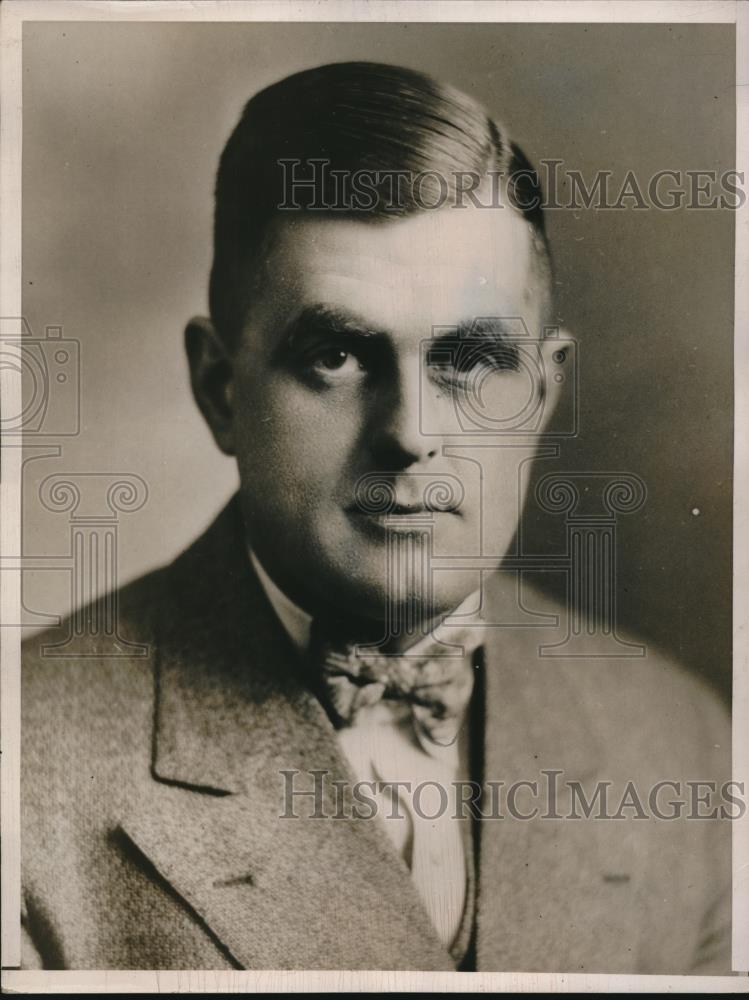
{"x": 373, "y": 470}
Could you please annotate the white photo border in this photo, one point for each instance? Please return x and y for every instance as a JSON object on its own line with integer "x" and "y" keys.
{"x": 13, "y": 14}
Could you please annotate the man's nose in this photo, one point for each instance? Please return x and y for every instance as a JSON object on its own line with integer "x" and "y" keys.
{"x": 401, "y": 434}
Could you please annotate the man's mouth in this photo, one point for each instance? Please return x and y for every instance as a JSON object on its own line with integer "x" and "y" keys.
{"x": 404, "y": 508}
{"x": 398, "y": 498}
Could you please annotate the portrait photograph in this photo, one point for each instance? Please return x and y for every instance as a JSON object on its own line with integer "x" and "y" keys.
{"x": 374, "y": 474}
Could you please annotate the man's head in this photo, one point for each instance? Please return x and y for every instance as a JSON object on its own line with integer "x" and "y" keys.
{"x": 346, "y": 331}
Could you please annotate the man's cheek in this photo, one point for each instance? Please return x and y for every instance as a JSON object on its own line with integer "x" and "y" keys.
{"x": 288, "y": 469}
{"x": 284, "y": 411}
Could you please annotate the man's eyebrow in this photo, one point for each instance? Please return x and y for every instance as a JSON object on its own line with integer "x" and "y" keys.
{"x": 328, "y": 320}
{"x": 331, "y": 321}
{"x": 492, "y": 328}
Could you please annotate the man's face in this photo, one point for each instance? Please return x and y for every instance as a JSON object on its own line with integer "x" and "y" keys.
{"x": 346, "y": 386}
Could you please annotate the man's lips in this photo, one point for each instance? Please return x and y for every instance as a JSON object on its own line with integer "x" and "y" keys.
{"x": 379, "y": 496}
{"x": 402, "y": 508}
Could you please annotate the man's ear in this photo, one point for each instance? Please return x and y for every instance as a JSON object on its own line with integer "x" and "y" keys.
{"x": 212, "y": 379}
{"x": 557, "y": 358}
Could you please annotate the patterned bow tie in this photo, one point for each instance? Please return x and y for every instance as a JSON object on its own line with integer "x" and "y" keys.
{"x": 436, "y": 684}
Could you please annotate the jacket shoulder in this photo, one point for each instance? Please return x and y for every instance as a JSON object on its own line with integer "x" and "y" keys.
{"x": 653, "y": 706}
{"x": 94, "y": 651}
{"x": 640, "y": 702}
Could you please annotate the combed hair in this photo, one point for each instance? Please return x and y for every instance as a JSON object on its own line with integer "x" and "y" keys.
{"x": 358, "y": 116}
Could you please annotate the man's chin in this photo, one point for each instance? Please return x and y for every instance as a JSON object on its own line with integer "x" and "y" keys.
{"x": 397, "y": 606}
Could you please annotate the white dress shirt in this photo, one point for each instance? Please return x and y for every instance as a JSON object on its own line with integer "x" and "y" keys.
{"x": 384, "y": 746}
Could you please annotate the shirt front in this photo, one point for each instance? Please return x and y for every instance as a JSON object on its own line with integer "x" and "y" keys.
{"x": 411, "y": 779}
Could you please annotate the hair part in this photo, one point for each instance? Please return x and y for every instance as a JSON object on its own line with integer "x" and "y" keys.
{"x": 357, "y": 116}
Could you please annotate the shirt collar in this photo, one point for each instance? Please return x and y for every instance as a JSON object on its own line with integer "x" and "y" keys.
{"x": 295, "y": 621}
{"x": 298, "y": 624}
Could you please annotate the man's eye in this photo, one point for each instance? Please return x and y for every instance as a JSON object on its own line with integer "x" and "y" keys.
{"x": 333, "y": 363}
{"x": 466, "y": 360}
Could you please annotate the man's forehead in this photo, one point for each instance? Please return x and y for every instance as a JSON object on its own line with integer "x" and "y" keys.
{"x": 448, "y": 263}
{"x": 469, "y": 242}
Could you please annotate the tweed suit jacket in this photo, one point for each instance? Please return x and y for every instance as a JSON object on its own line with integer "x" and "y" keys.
{"x": 153, "y": 834}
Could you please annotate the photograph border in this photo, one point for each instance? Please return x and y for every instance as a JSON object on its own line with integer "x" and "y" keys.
{"x": 13, "y": 14}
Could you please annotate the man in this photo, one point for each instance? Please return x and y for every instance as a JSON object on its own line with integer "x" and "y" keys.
{"x": 348, "y": 633}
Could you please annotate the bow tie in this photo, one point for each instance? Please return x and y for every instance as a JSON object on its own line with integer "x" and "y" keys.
{"x": 430, "y": 677}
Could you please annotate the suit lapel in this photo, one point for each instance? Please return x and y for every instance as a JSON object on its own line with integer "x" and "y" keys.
{"x": 544, "y": 900}
{"x": 276, "y": 885}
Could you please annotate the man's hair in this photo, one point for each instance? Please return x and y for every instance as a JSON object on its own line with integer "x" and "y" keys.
{"x": 356, "y": 116}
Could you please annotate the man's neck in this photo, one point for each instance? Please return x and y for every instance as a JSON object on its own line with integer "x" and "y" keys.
{"x": 298, "y": 623}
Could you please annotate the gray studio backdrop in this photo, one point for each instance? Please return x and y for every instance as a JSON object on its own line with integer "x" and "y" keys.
{"x": 123, "y": 125}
